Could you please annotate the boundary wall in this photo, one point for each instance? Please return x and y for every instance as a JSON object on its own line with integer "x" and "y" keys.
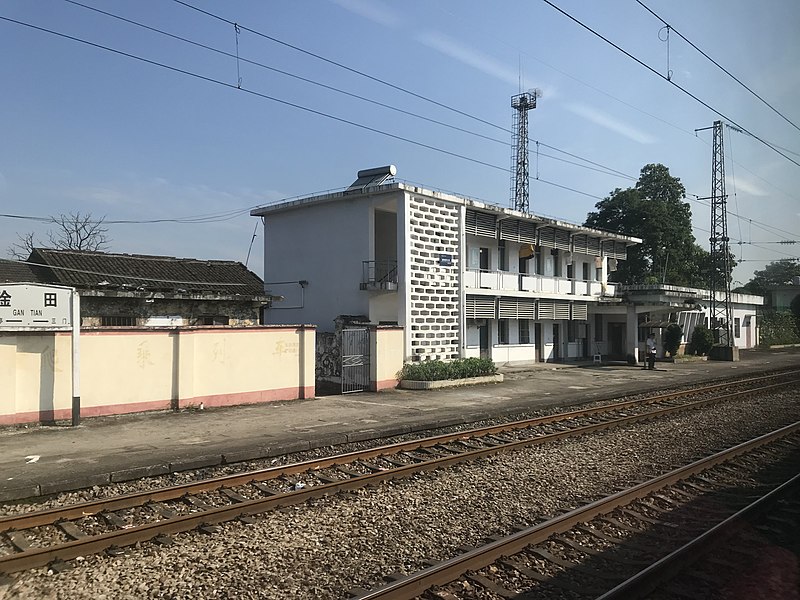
{"x": 126, "y": 370}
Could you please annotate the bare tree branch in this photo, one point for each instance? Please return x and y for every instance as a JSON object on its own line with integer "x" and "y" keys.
{"x": 74, "y": 231}
{"x": 77, "y": 231}
{"x": 21, "y": 249}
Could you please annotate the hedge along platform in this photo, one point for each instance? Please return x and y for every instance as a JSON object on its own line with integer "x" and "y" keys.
{"x": 408, "y": 384}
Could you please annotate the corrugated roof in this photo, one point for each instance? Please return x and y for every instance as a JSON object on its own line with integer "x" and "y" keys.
{"x": 103, "y": 270}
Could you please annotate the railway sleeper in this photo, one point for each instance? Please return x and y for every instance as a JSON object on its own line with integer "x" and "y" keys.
{"x": 490, "y": 585}
{"x": 571, "y": 565}
{"x": 268, "y": 490}
{"x": 113, "y": 519}
{"x": 18, "y": 541}
{"x": 233, "y": 496}
{"x": 71, "y": 530}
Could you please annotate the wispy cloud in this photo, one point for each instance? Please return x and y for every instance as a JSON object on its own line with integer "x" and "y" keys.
{"x": 605, "y": 120}
{"x": 746, "y": 186}
{"x": 372, "y": 10}
{"x": 469, "y": 56}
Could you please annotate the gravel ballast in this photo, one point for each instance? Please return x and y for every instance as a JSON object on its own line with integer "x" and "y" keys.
{"x": 323, "y": 548}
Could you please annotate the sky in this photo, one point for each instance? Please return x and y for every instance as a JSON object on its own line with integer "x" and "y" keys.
{"x": 179, "y": 139}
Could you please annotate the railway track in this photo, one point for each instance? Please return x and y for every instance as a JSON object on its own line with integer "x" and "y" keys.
{"x": 633, "y": 543}
{"x": 40, "y": 538}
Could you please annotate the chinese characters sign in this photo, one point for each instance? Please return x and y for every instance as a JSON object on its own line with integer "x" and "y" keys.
{"x": 31, "y": 306}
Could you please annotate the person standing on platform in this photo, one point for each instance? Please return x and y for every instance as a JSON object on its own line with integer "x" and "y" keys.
{"x": 651, "y": 351}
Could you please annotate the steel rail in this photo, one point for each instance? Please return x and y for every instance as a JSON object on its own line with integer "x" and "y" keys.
{"x": 37, "y": 557}
{"x": 647, "y": 580}
{"x": 451, "y": 569}
{"x": 137, "y": 499}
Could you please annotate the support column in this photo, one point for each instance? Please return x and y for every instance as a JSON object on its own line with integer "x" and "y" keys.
{"x": 632, "y": 332}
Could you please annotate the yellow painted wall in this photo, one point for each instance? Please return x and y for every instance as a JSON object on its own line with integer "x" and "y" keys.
{"x": 387, "y": 356}
{"x": 130, "y": 370}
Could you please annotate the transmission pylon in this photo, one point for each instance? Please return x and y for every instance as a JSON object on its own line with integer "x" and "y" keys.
{"x": 520, "y": 194}
{"x": 721, "y": 310}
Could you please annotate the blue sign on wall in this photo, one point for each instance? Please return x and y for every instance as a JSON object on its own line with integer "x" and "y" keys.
{"x": 445, "y": 260}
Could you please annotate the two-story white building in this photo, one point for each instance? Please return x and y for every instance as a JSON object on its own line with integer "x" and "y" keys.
{"x": 462, "y": 277}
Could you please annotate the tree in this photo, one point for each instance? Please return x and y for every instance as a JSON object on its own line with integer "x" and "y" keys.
{"x": 672, "y": 339}
{"x": 74, "y": 231}
{"x": 779, "y": 272}
{"x": 702, "y": 341}
{"x": 654, "y": 211}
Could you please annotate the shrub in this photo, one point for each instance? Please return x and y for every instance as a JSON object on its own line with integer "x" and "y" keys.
{"x": 437, "y": 370}
{"x": 672, "y": 339}
{"x": 778, "y": 328}
{"x": 701, "y": 342}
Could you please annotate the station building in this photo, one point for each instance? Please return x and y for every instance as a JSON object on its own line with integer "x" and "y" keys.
{"x": 464, "y": 278}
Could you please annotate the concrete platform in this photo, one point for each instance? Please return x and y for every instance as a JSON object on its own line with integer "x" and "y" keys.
{"x": 41, "y": 460}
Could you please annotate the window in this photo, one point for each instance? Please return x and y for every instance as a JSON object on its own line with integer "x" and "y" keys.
{"x": 598, "y": 328}
{"x": 502, "y": 331}
{"x": 737, "y": 327}
{"x": 570, "y": 271}
{"x": 585, "y": 271}
{"x": 213, "y": 320}
{"x": 572, "y": 331}
{"x": 484, "y": 259}
{"x": 523, "y": 265}
{"x": 556, "y": 263}
{"x": 502, "y": 256}
{"x": 524, "y": 331}
{"x": 118, "y": 321}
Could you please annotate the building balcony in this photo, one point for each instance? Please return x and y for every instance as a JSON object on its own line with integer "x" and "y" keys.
{"x": 379, "y": 275}
{"x": 506, "y": 281}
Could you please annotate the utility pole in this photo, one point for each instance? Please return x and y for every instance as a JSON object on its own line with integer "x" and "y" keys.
{"x": 521, "y": 103}
{"x": 720, "y": 285}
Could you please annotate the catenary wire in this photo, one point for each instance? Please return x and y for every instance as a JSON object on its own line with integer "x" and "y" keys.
{"x": 287, "y": 103}
{"x": 270, "y": 98}
{"x": 723, "y": 69}
{"x": 599, "y": 167}
{"x": 420, "y": 96}
{"x": 668, "y": 80}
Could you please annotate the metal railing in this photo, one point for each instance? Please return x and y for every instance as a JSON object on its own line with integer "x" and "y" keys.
{"x": 379, "y": 275}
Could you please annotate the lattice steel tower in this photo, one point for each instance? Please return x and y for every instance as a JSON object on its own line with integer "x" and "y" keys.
{"x": 721, "y": 310}
{"x": 521, "y": 103}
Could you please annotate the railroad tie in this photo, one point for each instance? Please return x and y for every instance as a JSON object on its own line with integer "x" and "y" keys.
{"x": 18, "y": 540}
{"x": 162, "y": 510}
{"x": 71, "y": 530}
{"x": 269, "y": 491}
{"x": 490, "y": 585}
{"x": 233, "y": 496}
{"x": 113, "y": 519}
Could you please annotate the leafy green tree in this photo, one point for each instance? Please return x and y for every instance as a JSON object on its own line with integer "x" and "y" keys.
{"x": 672, "y": 338}
{"x": 778, "y": 272}
{"x": 654, "y": 211}
{"x": 701, "y": 342}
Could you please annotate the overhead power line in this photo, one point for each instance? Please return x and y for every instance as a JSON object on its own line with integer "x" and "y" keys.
{"x": 286, "y": 103}
{"x": 665, "y": 78}
{"x": 594, "y": 165}
{"x": 723, "y": 69}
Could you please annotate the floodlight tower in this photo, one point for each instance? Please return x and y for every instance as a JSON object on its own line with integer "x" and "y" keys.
{"x": 521, "y": 103}
{"x": 721, "y": 310}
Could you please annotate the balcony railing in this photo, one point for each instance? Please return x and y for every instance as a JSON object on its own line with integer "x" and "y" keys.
{"x": 379, "y": 275}
{"x": 523, "y": 282}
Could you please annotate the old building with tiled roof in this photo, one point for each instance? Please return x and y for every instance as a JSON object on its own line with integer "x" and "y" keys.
{"x": 133, "y": 290}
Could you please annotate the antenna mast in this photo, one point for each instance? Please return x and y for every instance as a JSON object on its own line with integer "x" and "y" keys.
{"x": 521, "y": 103}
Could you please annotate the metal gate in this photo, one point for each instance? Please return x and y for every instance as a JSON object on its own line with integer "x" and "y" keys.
{"x": 355, "y": 360}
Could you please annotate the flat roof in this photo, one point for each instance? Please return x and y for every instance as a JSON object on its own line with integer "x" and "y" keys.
{"x": 302, "y": 202}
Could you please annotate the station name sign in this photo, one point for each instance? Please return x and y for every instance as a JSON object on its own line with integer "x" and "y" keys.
{"x": 26, "y": 306}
